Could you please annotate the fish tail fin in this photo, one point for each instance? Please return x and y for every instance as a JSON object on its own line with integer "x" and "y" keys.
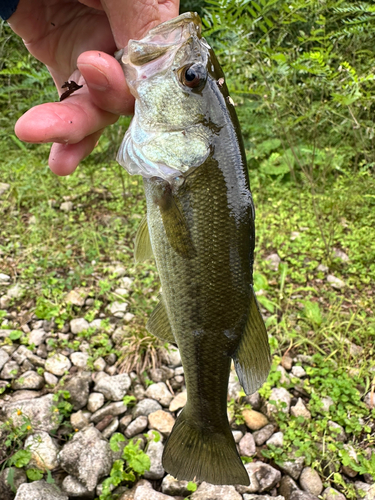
{"x": 196, "y": 453}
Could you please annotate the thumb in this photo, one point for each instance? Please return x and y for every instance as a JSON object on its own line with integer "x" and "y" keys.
{"x": 132, "y": 19}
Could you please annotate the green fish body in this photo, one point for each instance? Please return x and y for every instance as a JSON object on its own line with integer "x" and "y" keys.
{"x": 186, "y": 143}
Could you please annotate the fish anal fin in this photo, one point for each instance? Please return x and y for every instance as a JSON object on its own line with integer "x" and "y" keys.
{"x": 252, "y": 358}
{"x": 196, "y": 453}
{"x": 142, "y": 244}
{"x": 158, "y": 323}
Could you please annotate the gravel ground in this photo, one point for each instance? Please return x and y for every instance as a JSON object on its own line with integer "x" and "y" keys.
{"x": 68, "y": 404}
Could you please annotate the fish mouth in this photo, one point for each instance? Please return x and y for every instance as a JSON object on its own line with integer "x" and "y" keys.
{"x": 157, "y": 50}
{"x": 165, "y": 37}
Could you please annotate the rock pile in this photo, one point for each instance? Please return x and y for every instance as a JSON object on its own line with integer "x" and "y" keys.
{"x": 73, "y": 404}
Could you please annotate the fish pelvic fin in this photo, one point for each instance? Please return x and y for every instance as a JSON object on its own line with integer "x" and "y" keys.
{"x": 196, "y": 453}
{"x": 158, "y": 323}
{"x": 142, "y": 244}
{"x": 252, "y": 358}
{"x": 176, "y": 227}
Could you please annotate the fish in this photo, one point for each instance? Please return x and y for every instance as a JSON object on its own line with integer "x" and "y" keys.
{"x": 185, "y": 141}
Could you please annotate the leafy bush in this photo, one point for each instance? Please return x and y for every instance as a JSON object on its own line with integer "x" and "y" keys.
{"x": 302, "y": 71}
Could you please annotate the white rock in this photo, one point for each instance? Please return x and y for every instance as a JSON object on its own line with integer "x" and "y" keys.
{"x": 66, "y": 206}
{"x": 74, "y": 488}
{"x": 43, "y": 450}
{"x": 128, "y": 317}
{"x": 178, "y": 401}
{"x": 282, "y": 398}
{"x": 172, "y": 356}
{"x": 28, "y": 380}
{"x": 208, "y": 491}
{"x": 78, "y": 325}
{"x": 300, "y": 410}
{"x": 337, "y": 431}
{"x": 262, "y": 477}
{"x": 15, "y": 292}
{"x": 79, "y": 420}
{"x": 114, "y": 388}
{"x": 327, "y": 402}
{"x": 4, "y": 301}
{"x": 4, "y": 187}
{"x": 136, "y": 427}
{"x": 99, "y": 364}
{"x": 115, "y": 409}
{"x": 237, "y": 435}
{"x": 159, "y": 392}
{"x": 370, "y": 400}
{"x": 118, "y": 307}
{"x": 155, "y": 452}
{"x": 119, "y": 271}
{"x": 274, "y": 261}
{"x": 247, "y": 445}
{"x": 171, "y": 486}
{"x": 58, "y": 364}
{"x": 126, "y": 282}
{"x": 298, "y": 371}
{"x": 76, "y": 297}
{"x": 234, "y": 386}
{"x": 340, "y": 254}
{"x": 37, "y": 337}
{"x": 284, "y": 379}
{"x": 96, "y": 324}
{"x": 294, "y": 235}
{"x": 276, "y": 439}
{"x": 50, "y": 379}
{"x": 369, "y": 490}
{"x": 4, "y": 278}
{"x": 4, "y": 357}
{"x": 39, "y": 490}
{"x": 332, "y": 494}
{"x": 79, "y": 359}
{"x": 88, "y": 456}
{"x": 96, "y": 401}
{"x": 111, "y": 428}
{"x": 335, "y": 282}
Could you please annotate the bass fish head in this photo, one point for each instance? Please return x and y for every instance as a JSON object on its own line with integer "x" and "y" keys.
{"x": 169, "y": 72}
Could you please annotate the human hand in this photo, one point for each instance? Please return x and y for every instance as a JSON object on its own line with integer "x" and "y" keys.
{"x": 74, "y": 39}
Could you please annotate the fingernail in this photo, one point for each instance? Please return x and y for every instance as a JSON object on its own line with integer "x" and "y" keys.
{"x": 95, "y": 79}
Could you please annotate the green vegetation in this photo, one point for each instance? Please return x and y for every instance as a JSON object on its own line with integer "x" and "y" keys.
{"x": 301, "y": 75}
{"x": 315, "y": 439}
{"x": 133, "y": 463}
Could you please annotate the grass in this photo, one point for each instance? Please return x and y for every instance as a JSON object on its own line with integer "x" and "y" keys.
{"x": 305, "y": 221}
{"x": 50, "y": 251}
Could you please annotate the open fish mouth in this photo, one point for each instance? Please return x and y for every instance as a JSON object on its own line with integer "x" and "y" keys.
{"x": 166, "y": 141}
{"x": 164, "y": 39}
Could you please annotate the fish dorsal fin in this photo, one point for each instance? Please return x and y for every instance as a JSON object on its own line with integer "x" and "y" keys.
{"x": 252, "y": 359}
{"x": 142, "y": 244}
{"x": 158, "y": 323}
{"x": 176, "y": 227}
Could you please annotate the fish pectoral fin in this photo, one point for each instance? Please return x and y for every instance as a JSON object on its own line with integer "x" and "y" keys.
{"x": 252, "y": 358}
{"x": 176, "y": 227}
{"x": 142, "y": 244}
{"x": 158, "y": 323}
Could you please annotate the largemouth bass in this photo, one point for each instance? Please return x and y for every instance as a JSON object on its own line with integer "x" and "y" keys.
{"x": 186, "y": 143}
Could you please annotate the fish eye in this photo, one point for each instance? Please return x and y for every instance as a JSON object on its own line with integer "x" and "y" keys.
{"x": 193, "y": 76}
